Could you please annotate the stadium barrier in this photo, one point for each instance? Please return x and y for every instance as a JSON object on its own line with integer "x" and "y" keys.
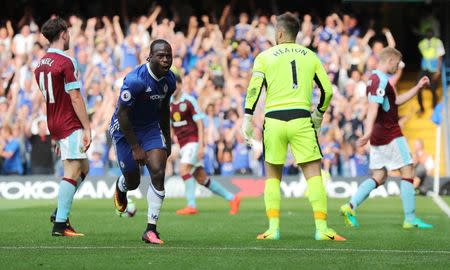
{"x": 46, "y": 187}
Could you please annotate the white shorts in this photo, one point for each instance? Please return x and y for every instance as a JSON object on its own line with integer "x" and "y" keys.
{"x": 189, "y": 155}
{"x": 72, "y": 146}
{"x": 391, "y": 156}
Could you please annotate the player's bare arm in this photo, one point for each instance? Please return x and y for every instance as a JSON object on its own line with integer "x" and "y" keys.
{"x": 126, "y": 127}
{"x": 172, "y": 135}
{"x": 403, "y": 98}
{"x": 80, "y": 109}
{"x": 164, "y": 123}
{"x": 201, "y": 141}
{"x": 372, "y": 113}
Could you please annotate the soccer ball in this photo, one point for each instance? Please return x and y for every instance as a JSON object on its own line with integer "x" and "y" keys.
{"x": 129, "y": 212}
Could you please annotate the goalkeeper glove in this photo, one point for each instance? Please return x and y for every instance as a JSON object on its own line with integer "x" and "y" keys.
{"x": 247, "y": 129}
{"x": 316, "y": 118}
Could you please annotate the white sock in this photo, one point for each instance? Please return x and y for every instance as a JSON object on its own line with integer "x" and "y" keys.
{"x": 154, "y": 200}
{"x": 121, "y": 184}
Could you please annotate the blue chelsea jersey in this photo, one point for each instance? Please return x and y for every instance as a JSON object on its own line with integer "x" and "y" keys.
{"x": 143, "y": 92}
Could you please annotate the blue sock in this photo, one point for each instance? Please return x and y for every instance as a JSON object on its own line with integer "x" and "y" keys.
{"x": 363, "y": 192}
{"x": 218, "y": 189}
{"x": 189, "y": 183}
{"x": 408, "y": 199}
{"x": 67, "y": 189}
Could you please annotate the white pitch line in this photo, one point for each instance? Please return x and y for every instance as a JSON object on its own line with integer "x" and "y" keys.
{"x": 442, "y": 204}
{"x": 233, "y": 249}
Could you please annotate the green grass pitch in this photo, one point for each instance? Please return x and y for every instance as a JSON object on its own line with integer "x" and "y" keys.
{"x": 215, "y": 240}
{"x": 447, "y": 199}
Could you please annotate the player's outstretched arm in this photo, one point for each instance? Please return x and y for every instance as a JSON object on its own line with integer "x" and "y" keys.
{"x": 405, "y": 97}
{"x": 80, "y": 110}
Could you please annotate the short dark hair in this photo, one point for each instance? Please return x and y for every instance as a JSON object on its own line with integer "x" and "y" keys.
{"x": 156, "y": 42}
{"x": 53, "y": 27}
{"x": 290, "y": 23}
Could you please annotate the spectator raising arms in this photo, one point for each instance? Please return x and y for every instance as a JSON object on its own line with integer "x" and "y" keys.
{"x": 213, "y": 56}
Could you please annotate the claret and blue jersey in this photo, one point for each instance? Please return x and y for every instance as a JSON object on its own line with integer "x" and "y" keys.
{"x": 386, "y": 127}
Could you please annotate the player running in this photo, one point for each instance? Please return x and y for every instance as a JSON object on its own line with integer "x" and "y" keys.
{"x": 187, "y": 125}
{"x": 389, "y": 149}
{"x": 68, "y": 122}
{"x": 288, "y": 71}
{"x": 140, "y": 131}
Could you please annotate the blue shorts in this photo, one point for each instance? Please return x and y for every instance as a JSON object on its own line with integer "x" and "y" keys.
{"x": 148, "y": 140}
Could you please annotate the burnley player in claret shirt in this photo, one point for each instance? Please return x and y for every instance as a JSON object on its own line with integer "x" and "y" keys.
{"x": 388, "y": 147}
{"x": 187, "y": 126}
{"x": 68, "y": 122}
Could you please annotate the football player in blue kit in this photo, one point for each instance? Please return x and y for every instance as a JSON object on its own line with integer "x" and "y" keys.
{"x": 140, "y": 131}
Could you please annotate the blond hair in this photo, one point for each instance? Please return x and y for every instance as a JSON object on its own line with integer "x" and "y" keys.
{"x": 389, "y": 52}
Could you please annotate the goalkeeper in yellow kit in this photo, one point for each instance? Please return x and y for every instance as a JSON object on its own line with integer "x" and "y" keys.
{"x": 287, "y": 71}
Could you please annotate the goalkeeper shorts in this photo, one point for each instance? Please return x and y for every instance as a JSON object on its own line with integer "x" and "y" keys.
{"x": 281, "y": 131}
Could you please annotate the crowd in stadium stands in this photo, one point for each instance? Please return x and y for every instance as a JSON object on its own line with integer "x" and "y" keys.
{"x": 214, "y": 59}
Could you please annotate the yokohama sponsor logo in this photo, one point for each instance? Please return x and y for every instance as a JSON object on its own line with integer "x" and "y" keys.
{"x": 29, "y": 190}
{"x": 102, "y": 188}
{"x": 49, "y": 190}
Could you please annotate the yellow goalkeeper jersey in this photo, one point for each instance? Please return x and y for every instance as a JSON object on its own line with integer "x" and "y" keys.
{"x": 288, "y": 71}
